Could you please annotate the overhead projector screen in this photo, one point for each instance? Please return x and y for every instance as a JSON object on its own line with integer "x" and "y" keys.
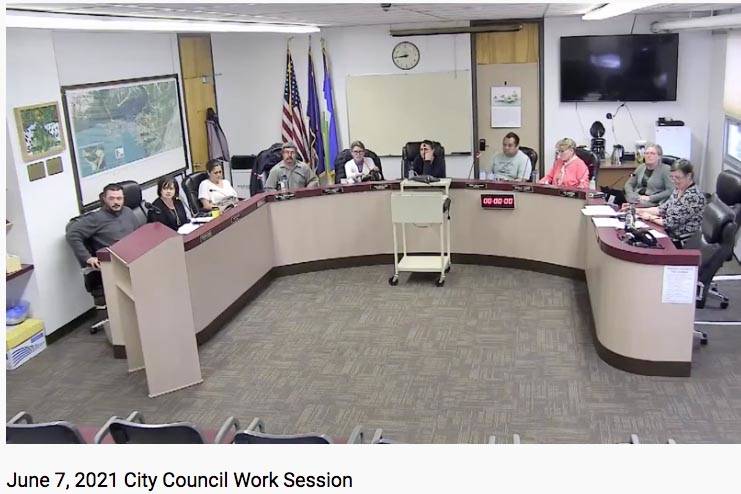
{"x": 124, "y": 130}
{"x": 387, "y": 111}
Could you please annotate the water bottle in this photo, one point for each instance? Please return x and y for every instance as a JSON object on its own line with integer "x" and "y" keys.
{"x": 633, "y": 215}
{"x": 535, "y": 175}
{"x": 283, "y": 184}
{"x": 629, "y": 218}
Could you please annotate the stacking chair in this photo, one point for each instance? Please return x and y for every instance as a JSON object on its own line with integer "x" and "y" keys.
{"x": 190, "y": 190}
{"x": 530, "y": 152}
{"x": 133, "y": 430}
{"x": 21, "y": 430}
{"x": 255, "y": 434}
{"x": 378, "y": 438}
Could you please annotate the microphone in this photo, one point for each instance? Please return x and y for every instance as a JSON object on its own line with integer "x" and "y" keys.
{"x": 152, "y": 207}
{"x": 610, "y": 116}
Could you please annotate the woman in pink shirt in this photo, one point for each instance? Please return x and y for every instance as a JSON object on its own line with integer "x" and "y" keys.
{"x": 568, "y": 170}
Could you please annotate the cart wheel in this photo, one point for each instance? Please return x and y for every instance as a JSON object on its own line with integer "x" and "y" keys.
{"x": 394, "y": 280}
{"x": 440, "y": 283}
{"x": 447, "y": 270}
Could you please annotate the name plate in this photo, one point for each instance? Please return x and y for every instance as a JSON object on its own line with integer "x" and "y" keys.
{"x": 498, "y": 201}
{"x": 336, "y": 190}
{"x": 476, "y": 186}
{"x": 522, "y": 188}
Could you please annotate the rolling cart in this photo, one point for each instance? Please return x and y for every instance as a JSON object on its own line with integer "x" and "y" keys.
{"x": 420, "y": 207}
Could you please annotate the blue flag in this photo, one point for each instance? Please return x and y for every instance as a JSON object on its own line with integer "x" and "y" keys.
{"x": 331, "y": 139}
{"x": 316, "y": 142}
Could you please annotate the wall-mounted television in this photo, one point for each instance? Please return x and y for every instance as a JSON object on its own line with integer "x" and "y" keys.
{"x": 633, "y": 67}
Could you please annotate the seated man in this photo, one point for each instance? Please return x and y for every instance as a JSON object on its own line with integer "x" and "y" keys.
{"x": 511, "y": 163}
{"x": 360, "y": 167}
{"x": 104, "y": 227}
{"x": 291, "y": 173}
{"x": 427, "y": 163}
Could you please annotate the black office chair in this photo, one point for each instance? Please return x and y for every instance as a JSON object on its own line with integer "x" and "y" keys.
{"x": 21, "y": 430}
{"x": 346, "y": 155}
{"x": 410, "y": 151}
{"x": 715, "y": 242}
{"x": 190, "y": 191}
{"x": 133, "y": 430}
{"x": 265, "y": 161}
{"x": 668, "y": 159}
{"x": 255, "y": 434}
{"x": 728, "y": 190}
{"x": 530, "y": 152}
{"x": 133, "y": 200}
{"x": 591, "y": 160}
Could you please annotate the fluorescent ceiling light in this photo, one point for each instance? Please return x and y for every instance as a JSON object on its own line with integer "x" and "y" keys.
{"x": 614, "y": 9}
{"x": 728, "y": 21}
{"x": 97, "y": 23}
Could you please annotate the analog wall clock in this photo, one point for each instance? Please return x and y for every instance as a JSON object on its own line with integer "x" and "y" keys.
{"x": 405, "y": 55}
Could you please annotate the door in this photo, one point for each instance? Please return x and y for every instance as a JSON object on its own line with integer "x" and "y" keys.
{"x": 508, "y": 63}
{"x": 196, "y": 65}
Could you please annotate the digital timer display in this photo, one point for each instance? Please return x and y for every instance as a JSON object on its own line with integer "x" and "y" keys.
{"x": 498, "y": 201}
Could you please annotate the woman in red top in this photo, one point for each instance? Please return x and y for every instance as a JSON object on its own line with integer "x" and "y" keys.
{"x": 568, "y": 170}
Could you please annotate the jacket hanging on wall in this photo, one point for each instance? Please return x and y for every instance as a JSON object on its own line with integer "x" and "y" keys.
{"x": 217, "y": 145}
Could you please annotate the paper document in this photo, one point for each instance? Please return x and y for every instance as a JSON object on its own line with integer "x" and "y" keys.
{"x": 657, "y": 234}
{"x": 201, "y": 219}
{"x": 187, "y": 228}
{"x": 601, "y": 210}
{"x": 679, "y": 285}
{"x": 607, "y": 223}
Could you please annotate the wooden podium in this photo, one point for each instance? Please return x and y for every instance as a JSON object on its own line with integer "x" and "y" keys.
{"x": 150, "y": 306}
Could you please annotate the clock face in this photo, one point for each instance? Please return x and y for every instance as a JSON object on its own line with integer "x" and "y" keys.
{"x": 405, "y": 55}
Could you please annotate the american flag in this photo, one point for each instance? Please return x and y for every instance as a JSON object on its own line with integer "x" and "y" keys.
{"x": 294, "y": 128}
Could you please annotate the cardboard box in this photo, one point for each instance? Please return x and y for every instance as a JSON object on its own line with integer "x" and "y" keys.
{"x": 23, "y": 341}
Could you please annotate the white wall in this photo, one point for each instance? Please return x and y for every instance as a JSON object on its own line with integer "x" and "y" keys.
{"x": 39, "y": 62}
{"x": 713, "y": 163}
{"x": 251, "y": 72}
{"x": 695, "y": 72}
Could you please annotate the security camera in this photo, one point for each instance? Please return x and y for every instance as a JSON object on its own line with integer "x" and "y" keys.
{"x": 385, "y": 7}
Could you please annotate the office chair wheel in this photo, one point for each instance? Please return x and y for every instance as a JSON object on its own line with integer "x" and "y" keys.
{"x": 440, "y": 283}
{"x": 700, "y": 304}
{"x": 394, "y": 280}
{"x": 704, "y": 339}
{"x": 724, "y": 304}
{"x": 93, "y": 330}
{"x": 447, "y": 270}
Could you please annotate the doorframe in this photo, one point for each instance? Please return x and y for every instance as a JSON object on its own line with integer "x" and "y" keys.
{"x": 213, "y": 77}
{"x": 474, "y": 89}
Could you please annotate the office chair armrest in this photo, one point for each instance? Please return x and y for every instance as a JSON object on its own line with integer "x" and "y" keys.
{"x": 21, "y": 416}
{"x": 492, "y": 439}
{"x": 256, "y": 425}
{"x": 515, "y": 439}
{"x": 356, "y": 436}
{"x": 136, "y": 416}
{"x": 634, "y": 439}
{"x": 671, "y": 441}
{"x": 228, "y": 424}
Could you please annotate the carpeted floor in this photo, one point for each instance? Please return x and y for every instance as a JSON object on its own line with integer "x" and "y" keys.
{"x": 713, "y": 312}
{"x": 496, "y": 351}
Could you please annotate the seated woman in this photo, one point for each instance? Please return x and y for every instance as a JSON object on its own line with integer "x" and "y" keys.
{"x": 215, "y": 190}
{"x": 168, "y": 209}
{"x": 427, "y": 162}
{"x": 568, "y": 170}
{"x": 651, "y": 184}
{"x": 360, "y": 167}
{"x": 681, "y": 214}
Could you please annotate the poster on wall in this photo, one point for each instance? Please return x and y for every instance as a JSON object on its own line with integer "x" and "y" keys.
{"x": 39, "y": 130}
{"x": 506, "y": 107}
{"x": 124, "y": 130}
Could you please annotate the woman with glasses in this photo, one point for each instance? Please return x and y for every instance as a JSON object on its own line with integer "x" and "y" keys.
{"x": 216, "y": 190}
{"x": 650, "y": 184}
{"x": 681, "y": 214}
{"x": 568, "y": 170}
{"x": 168, "y": 209}
{"x": 360, "y": 167}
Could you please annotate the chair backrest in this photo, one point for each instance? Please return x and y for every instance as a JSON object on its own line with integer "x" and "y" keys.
{"x": 410, "y": 151}
{"x": 133, "y": 199}
{"x": 591, "y": 160}
{"x": 190, "y": 190}
{"x": 668, "y": 159}
{"x": 728, "y": 190}
{"x": 254, "y": 437}
{"x": 530, "y": 152}
{"x": 265, "y": 161}
{"x": 127, "y": 432}
{"x": 346, "y": 155}
{"x": 58, "y": 432}
{"x": 715, "y": 218}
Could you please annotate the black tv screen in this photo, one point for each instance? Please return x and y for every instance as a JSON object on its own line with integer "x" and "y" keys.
{"x": 633, "y": 67}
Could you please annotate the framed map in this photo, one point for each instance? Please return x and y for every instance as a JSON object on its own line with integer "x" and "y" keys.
{"x": 124, "y": 130}
{"x": 39, "y": 130}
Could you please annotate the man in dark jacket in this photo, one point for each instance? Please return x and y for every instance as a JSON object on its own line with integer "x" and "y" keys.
{"x": 103, "y": 227}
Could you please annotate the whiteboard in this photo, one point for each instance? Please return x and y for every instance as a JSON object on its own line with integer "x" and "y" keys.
{"x": 387, "y": 111}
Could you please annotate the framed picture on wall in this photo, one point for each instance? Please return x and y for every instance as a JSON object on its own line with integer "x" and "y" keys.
{"x": 124, "y": 130}
{"x": 39, "y": 130}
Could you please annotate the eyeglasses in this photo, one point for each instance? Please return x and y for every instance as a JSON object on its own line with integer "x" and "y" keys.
{"x": 358, "y": 151}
